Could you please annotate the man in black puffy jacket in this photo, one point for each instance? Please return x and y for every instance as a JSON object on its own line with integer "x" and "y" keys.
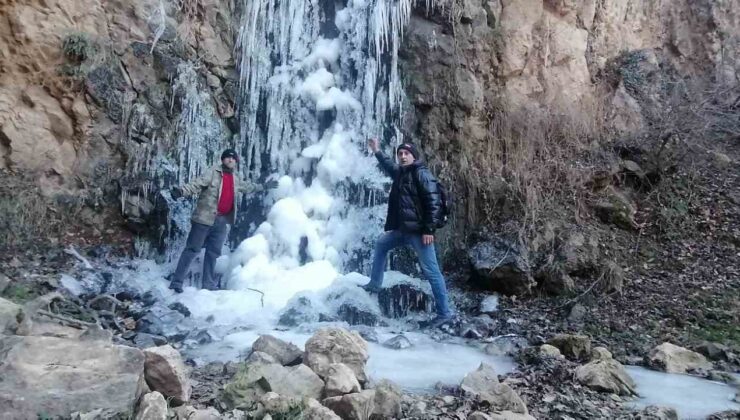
{"x": 414, "y": 212}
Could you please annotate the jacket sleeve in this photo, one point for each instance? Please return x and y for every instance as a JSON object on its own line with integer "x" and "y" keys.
{"x": 387, "y": 165}
{"x": 196, "y": 186}
{"x": 246, "y": 187}
{"x": 431, "y": 200}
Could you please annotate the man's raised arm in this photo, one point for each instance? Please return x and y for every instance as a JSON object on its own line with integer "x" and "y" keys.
{"x": 386, "y": 163}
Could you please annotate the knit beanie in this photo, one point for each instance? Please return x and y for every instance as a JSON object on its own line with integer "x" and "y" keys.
{"x": 229, "y": 153}
{"x": 409, "y": 148}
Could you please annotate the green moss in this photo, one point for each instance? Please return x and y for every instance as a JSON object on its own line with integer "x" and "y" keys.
{"x": 20, "y": 293}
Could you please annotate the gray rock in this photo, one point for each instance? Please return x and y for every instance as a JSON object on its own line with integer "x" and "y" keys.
{"x": 358, "y": 406}
{"x": 340, "y": 380}
{"x": 547, "y": 350}
{"x": 387, "y": 400}
{"x": 152, "y": 407}
{"x": 572, "y": 346}
{"x": 713, "y": 351}
{"x": 9, "y": 316}
{"x": 285, "y": 353}
{"x": 674, "y": 359}
{"x": 4, "y": 282}
{"x": 255, "y": 380}
{"x": 657, "y": 413}
{"x": 166, "y": 373}
{"x": 398, "y": 342}
{"x": 606, "y": 375}
{"x": 484, "y": 385}
{"x": 367, "y": 333}
{"x": 336, "y": 345}
{"x": 505, "y": 345}
{"x": 144, "y": 340}
{"x": 313, "y": 410}
{"x": 257, "y": 358}
{"x": 498, "y": 266}
{"x": 187, "y": 412}
{"x": 79, "y": 376}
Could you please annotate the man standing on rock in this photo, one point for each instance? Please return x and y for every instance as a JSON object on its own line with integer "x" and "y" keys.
{"x": 414, "y": 211}
{"x": 214, "y": 212}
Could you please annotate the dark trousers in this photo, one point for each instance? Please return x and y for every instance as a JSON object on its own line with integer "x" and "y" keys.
{"x": 212, "y": 237}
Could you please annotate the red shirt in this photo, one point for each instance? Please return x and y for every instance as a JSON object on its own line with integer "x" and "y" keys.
{"x": 226, "y": 202}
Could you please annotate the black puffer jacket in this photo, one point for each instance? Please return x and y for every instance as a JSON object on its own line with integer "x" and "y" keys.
{"x": 415, "y": 204}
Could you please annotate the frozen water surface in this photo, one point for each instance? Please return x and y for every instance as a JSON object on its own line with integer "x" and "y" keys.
{"x": 691, "y": 397}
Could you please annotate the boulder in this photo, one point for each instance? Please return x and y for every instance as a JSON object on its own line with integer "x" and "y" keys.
{"x": 600, "y": 353}
{"x": 617, "y": 209}
{"x": 256, "y": 379}
{"x": 398, "y": 342}
{"x": 547, "y": 350}
{"x": 285, "y": 353}
{"x": 606, "y": 375}
{"x": 313, "y": 410}
{"x": 387, "y": 400}
{"x": 505, "y": 345}
{"x": 10, "y": 314}
{"x": 713, "y": 351}
{"x": 498, "y": 266}
{"x": 187, "y": 412}
{"x": 674, "y": 359}
{"x": 259, "y": 358}
{"x": 484, "y": 385}
{"x": 340, "y": 380}
{"x": 656, "y": 413}
{"x": 336, "y": 345}
{"x": 295, "y": 381}
{"x": 152, "y": 407}
{"x": 572, "y": 346}
{"x": 58, "y": 376}
{"x": 477, "y": 415}
{"x": 358, "y": 406}
{"x": 166, "y": 373}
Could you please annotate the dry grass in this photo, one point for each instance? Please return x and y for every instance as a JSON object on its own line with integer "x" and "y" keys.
{"x": 28, "y": 217}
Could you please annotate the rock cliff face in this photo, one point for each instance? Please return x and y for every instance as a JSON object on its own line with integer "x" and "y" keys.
{"x": 100, "y": 97}
{"x": 477, "y": 66}
{"x": 94, "y": 95}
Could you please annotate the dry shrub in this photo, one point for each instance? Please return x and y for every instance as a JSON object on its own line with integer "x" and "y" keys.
{"x": 28, "y": 217}
{"x": 534, "y": 166}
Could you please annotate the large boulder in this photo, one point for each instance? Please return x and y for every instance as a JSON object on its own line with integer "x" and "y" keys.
{"x": 313, "y": 410}
{"x": 357, "y": 406}
{"x": 340, "y": 380}
{"x": 285, "y": 353}
{"x": 483, "y": 384}
{"x": 499, "y": 415}
{"x": 255, "y": 380}
{"x": 674, "y": 359}
{"x": 152, "y": 407}
{"x": 572, "y": 346}
{"x": 499, "y": 266}
{"x": 166, "y": 373}
{"x": 605, "y": 374}
{"x": 58, "y": 376}
{"x": 336, "y": 345}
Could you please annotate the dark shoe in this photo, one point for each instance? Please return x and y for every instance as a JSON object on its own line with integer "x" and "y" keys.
{"x": 176, "y": 287}
{"x": 436, "y": 322}
{"x": 368, "y": 288}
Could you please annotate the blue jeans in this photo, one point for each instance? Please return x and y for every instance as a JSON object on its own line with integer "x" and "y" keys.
{"x": 427, "y": 260}
{"x": 200, "y": 236}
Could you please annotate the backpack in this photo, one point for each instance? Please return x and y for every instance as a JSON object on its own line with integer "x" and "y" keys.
{"x": 444, "y": 197}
